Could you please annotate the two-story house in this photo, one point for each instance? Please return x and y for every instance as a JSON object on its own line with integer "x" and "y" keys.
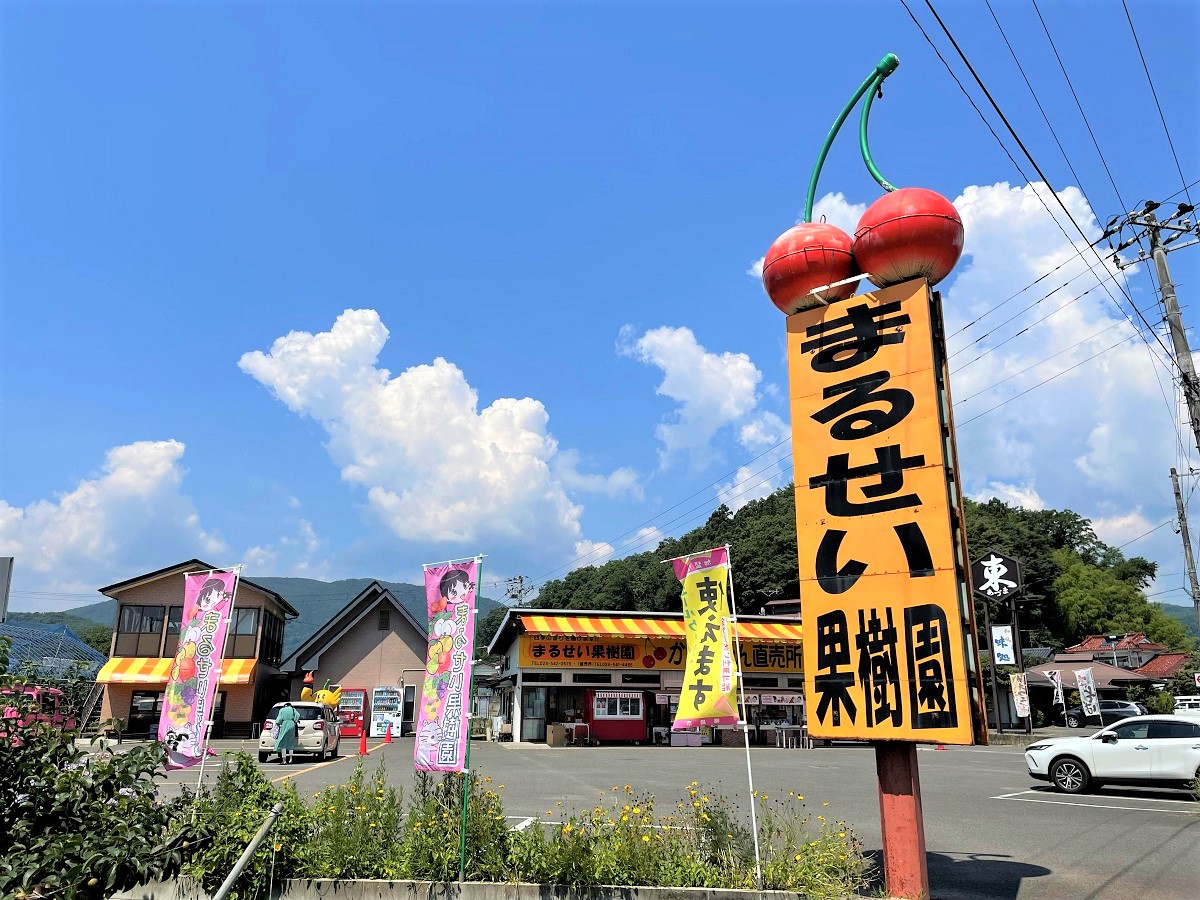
{"x": 146, "y": 637}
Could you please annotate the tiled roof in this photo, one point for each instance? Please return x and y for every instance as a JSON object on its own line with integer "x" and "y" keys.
{"x": 1135, "y": 641}
{"x": 1165, "y": 665}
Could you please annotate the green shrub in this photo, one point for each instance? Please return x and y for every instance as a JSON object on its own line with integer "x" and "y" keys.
{"x": 227, "y": 817}
{"x": 83, "y": 825}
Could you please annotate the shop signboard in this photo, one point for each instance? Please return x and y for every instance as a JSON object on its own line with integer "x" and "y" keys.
{"x": 887, "y": 617}
{"x": 644, "y": 654}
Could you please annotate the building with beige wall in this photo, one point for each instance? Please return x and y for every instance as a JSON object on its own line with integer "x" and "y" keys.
{"x": 146, "y": 637}
{"x": 372, "y": 642}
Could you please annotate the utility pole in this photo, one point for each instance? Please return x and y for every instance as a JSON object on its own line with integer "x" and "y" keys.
{"x": 1187, "y": 545}
{"x": 1143, "y": 223}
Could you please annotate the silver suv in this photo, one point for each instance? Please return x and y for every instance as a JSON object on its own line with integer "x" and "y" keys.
{"x": 318, "y": 733}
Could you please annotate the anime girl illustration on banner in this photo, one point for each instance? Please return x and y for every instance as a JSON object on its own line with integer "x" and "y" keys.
{"x": 443, "y": 716}
{"x": 192, "y": 684}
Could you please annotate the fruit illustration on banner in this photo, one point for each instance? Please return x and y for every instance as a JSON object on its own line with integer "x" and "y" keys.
{"x": 805, "y": 257}
{"x": 908, "y": 233}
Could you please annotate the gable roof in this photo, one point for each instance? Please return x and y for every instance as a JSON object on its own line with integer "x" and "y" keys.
{"x": 1165, "y": 665}
{"x": 1135, "y": 641}
{"x": 193, "y": 565}
{"x": 52, "y": 649}
{"x": 1106, "y": 676}
{"x": 342, "y": 621}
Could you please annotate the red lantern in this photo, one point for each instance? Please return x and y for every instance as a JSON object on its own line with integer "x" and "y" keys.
{"x": 808, "y": 256}
{"x": 909, "y": 233}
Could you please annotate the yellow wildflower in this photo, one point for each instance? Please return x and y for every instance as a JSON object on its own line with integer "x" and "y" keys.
{"x": 826, "y": 803}
{"x": 636, "y": 810}
{"x": 841, "y": 834}
{"x": 646, "y": 838}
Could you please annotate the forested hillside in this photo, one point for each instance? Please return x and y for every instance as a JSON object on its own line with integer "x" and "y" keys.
{"x": 1076, "y": 583}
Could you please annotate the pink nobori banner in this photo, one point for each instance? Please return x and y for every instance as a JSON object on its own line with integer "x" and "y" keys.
{"x": 196, "y": 671}
{"x": 443, "y": 717}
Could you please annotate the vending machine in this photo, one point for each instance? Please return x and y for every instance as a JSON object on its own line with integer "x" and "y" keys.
{"x": 352, "y": 711}
{"x": 386, "y": 706}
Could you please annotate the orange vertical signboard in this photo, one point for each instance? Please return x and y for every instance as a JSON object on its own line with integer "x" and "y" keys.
{"x": 887, "y": 618}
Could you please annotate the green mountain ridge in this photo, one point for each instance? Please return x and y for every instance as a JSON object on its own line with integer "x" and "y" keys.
{"x": 316, "y": 601}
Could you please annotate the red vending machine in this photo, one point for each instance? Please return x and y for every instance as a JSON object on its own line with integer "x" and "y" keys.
{"x": 352, "y": 711}
{"x": 615, "y": 715}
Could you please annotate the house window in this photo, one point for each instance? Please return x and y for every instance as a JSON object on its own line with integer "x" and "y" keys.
{"x": 385, "y": 619}
{"x": 139, "y": 631}
{"x": 271, "y": 649}
{"x": 760, "y": 681}
{"x": 174, "y": 623}
{"x": 244, "y": 639}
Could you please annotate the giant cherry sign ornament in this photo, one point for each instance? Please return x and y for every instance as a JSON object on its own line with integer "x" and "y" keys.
{"x": 907, "y": 233}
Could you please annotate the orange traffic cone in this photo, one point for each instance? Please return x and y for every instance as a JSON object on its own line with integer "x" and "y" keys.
{"x": 362, "y": 743}
{"x": 387, "y": 738}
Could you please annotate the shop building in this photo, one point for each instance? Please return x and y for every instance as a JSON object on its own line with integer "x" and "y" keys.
{"x": 375, "y": 646}
{"x": 146, "y": 638}
{"x": 601, "y": 669}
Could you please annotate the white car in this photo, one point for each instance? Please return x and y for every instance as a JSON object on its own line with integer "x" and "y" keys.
{"x": 318, "y": 733}
{"x": 1152, "y": 750}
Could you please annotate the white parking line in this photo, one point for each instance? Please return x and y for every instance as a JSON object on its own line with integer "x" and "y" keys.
{"x": 1022, "y": 799}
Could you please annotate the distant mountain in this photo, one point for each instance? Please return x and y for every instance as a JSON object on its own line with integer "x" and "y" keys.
{"x": 1186, "y": 615}
{"x": 316, "y": 601}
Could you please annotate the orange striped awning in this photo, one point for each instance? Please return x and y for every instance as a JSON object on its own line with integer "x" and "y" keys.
{"x": 634, "y": 626}
{"x": 156, "y": 670}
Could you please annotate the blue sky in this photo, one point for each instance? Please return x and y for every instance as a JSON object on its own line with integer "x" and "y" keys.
{"x": 542, "y": 217}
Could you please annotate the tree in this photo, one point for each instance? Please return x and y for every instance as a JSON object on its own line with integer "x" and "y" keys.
{"x": 1093, "y": 600}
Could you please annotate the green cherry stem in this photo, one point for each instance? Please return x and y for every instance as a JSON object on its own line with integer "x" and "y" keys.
{"x": 882, "y": 70}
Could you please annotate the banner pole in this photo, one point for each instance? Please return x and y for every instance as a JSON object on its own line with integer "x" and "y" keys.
{"x": 758, "y": 882}
{"x": 466, "y": 784}
{"x": 237, "y": 577}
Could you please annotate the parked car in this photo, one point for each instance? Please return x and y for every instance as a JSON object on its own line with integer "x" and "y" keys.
{"x": 1153, "y": 750}
{"x": 1110, "y": 711}
{"x": 318, "y": 733}
{"x": 1188, "y": 706}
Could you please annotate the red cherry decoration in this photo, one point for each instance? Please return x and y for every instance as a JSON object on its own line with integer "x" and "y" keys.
{"x": 660, "y": 653}
{"x": 908, "y": 233}
{"x": 648, "y": 661}
{"x": 808, "y": 256}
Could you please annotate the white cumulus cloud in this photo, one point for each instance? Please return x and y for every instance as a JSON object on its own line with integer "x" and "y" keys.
{"x": 711, "y": 390}
{"x": 129, "y": 517}
{"x": 435, "y": 466}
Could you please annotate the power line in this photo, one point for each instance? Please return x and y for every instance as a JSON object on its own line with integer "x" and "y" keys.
{"x": 1029, "y": 156}
{"x": 1147, "y": 534}
{"x": 1162, "y": 118}
{"x": 1041, "y": 109}
{"x": 1079, "y": 106}
{"x": 1036, "y": 364}
{"x": 1046, "y": 381}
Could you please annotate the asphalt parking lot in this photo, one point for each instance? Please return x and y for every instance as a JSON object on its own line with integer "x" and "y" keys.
{"x": 991, "y": 831}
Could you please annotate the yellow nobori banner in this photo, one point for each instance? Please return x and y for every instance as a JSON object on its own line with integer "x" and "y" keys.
{"x": 709, "y": 692}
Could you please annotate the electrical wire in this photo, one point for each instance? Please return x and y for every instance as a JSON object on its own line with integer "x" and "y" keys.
{"x": 1147, "y": 534}
{"x": 1046, "y": 381}
{"x": 1079, "y": 106}
{"x": 1017, "y": 315}
{"x": 960, "y": 401}
{"x": 1162, "y": 118}
{"x": 1029, "y": 156}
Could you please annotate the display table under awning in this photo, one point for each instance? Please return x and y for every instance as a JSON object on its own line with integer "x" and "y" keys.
{"x": 156, "y": 670}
